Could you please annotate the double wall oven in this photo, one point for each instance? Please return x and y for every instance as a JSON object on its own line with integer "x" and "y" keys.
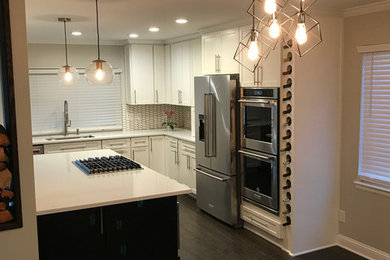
{"x": 259, "y": 146}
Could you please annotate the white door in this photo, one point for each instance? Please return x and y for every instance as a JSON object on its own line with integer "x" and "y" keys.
{"x": 159, "y": 74}
{"x": 168, "y": 81}
{"x": 185, "y": 98}
{"x": 246, "y": 77}
{"x": 210, "y": 48}
{"x": 192, "y": 174}
{"x": 177, "y": 71}
{"x": 141, "y": 155}
{"x": 272, "y": 68}
{"x": 157, "y": 153}
{"x": 183, "y": 168}
{"x": 141, "y": 73}
{"x": 229, "y": 43}
{"x": 171, "y": 162}
{"x": 196, "y": 65}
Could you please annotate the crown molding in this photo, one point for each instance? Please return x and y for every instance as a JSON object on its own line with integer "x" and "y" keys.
{"x": 367, "y": 9}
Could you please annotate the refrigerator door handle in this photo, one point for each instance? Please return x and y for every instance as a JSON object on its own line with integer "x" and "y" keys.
{"x": 206, "y": 125}
{"x": 212, "y": 126}
{"x": 211, "y": 176}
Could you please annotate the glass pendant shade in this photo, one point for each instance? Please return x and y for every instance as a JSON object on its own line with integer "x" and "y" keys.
{"x": 68, "y": 75}
{"x": 99, "y": 73}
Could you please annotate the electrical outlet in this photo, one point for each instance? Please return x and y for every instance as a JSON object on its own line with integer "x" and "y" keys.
{"x": 342, "y": 216}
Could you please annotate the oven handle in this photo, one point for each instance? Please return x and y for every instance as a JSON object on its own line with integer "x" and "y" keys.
{"x": 211, "y": 176}
{"x": 256, "y": 155}
{"x": 262, "y": 101}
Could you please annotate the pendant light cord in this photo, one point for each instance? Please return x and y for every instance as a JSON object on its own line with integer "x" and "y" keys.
{"x": 66, "y": 44}
{"x": 97, "y": 29}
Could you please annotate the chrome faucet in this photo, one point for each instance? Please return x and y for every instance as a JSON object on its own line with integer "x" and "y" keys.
{"x": 67, "y": 122}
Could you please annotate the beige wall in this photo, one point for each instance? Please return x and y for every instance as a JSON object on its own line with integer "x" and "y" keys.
{"x": 22, "y": 243}
{"x": 53, "y": 55}
{"x": 367, "y": 213}
{"x": 316, "y": 131}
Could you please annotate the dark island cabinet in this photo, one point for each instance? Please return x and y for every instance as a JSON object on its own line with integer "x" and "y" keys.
{"x": 139, "y": 230}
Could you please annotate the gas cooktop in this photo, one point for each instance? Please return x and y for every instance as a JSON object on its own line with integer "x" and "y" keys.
{"x": 107, "y": 164}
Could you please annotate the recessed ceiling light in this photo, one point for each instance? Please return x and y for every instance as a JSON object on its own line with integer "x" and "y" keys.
{"x": 154, "y": 29}
{"x": 133, "y": 35}
{"x": 181, "y": 21}
{"x": 76, "y": 33}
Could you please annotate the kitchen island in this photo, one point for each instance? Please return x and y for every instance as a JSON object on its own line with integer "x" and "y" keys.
{"x": 120, "y": 215}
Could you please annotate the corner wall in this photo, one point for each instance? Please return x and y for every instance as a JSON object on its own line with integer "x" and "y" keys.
{"x": 367, "y": 213}
{"x": 22, "y": 243}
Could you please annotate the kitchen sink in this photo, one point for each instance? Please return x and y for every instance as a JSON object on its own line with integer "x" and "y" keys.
{"x": 70, "y": 137}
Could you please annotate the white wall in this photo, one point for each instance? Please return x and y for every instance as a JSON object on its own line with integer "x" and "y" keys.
{"x": 22, "y": 243}
{"x": 53, "y": 55}
{"x": 367, "y": 213}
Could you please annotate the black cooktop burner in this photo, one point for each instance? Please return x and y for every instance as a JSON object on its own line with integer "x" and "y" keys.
{"x": 107, "y": 164}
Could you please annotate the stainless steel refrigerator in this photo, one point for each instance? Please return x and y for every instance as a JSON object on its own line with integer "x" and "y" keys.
{"x": 216, "y": 150}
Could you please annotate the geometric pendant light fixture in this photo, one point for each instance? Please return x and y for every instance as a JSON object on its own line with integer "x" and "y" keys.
{"x": 99, "y": 72}
{"x": 67, "y": 75}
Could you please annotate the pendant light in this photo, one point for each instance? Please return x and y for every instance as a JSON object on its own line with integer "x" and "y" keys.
{"x": 99, "y": 72}
{"x": 300, "y": 33}
{"x": 253, "y": 53}
{"x": 67, "y": 75}
{"x": 274, "y": 29}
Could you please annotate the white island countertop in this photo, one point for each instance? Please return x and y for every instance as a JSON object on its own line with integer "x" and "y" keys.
{"x": 60, "y": 186}
{"x": 181, "y": 134}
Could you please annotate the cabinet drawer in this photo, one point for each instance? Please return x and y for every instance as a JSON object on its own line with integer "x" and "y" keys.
{"x": 116, "y": 144}
{"x": 139, "y": 142}
{"x": 73, "y": 147}
{"x": 261, "y": 221}
{"x": 187, "y": 148}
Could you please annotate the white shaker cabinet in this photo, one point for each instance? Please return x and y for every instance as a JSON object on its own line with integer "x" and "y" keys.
{"x": 218, "y": 50}
{"x": 159, "y": 74}
{"x": 266, "y": 76}
{"x": 196, "y": 65}
{"x": 172, "y": 158}
{"x": 168, "y": 75}
{"x": 157, "y": 153}
{"x": 181, "y": 73}
{"x": 121, "y": 146}
{"x": 187, "y": 165}
{"x": 141, "y": 74}
{"x": 140, "y": 150}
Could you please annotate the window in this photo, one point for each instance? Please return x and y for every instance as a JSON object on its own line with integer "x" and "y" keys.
{"x": 92, "y": 108}
{"x": 374, "y": 151}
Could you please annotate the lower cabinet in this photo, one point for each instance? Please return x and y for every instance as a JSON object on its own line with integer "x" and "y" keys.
{"x": 187, "y": 165}
{"x": 157, "y": 153}
{"x": 172, "y": 158}
{"x": 140, "y": 150}
{"x": 121, "y": 146}
{"x": 125, "y": 231}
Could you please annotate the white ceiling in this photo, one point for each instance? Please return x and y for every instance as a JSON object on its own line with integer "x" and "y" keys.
{"x": 118, "y": 18}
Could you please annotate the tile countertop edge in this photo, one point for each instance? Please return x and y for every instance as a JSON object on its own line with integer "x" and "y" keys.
{"x": 109, "y": 203}
{"x": 181, "y": 134}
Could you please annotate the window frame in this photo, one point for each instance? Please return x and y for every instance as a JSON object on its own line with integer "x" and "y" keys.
{"x": 364, "y": 182}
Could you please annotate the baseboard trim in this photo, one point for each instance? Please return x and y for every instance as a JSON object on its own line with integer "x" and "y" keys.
{"x": 313, "y": 250}
{"x": 361, "y": 249}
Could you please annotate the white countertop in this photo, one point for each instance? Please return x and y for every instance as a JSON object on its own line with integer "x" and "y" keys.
{"x": 61, "y": 186}
{"x": 181, "y": 134}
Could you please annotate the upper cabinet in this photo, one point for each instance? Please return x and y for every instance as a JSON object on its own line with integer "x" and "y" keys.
{"x": 218, "y": 51}
{"x": 181, "y": 73}
{"x": 196, "y": 65}
{"x": 145, "y": 81}
{"x": 159, "y": 74}
{"x": 269, "y": 74}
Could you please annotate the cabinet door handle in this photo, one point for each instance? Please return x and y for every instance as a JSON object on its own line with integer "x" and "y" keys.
{"x": 188, "y": 162}
{"x": 176, "y": 157}
{"x": 151, "y": 145}
{"x": 135, "y": 96}
{"x": 156, "y": 96}
{"x": 215, "y": 63}
{"x": 133, "y": 155}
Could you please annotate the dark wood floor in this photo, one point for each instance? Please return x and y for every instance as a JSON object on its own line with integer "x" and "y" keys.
{"x": 204, "y": 237}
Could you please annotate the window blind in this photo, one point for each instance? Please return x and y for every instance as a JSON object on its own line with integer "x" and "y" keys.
{"x": 89, "y": 107}
{"x": 374, "y": 154}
